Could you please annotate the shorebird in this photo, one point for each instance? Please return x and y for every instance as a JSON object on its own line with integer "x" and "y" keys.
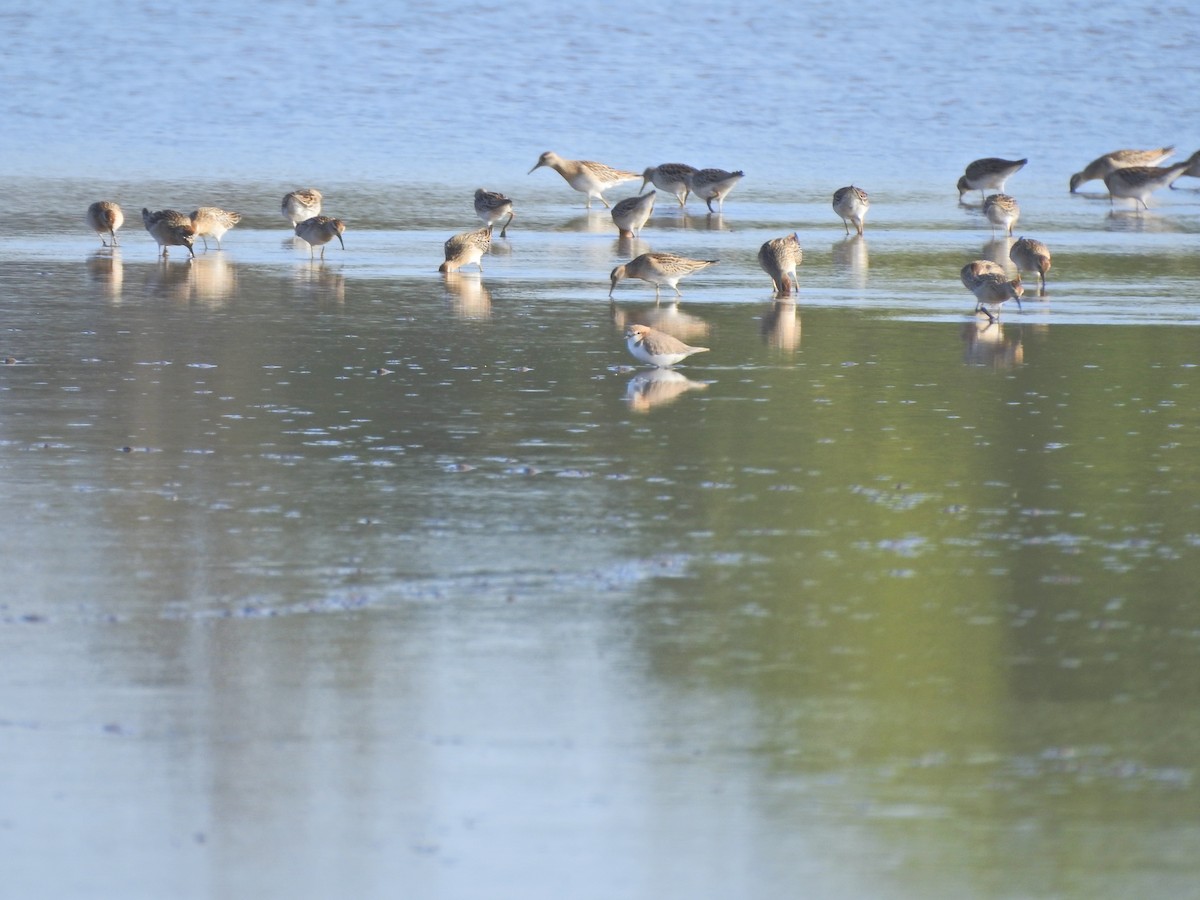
{"x": 632, "y": 213}
{"x": 657, "y": 348}
{"x": 1193, "y": 169}
{"x": 986, "y": 280}
{"x": 300, "y": 205}
{"x": 658, "y": 269}
{"x": 491, "y": 207}
{"x": 170, "y": 228}
{"x": 1139, "y": 182}
{"x": 587, "y": 177}
{"x": 467, "y": 249}
{"x": 1001, "y": 210}
{"x": 105, "y": 217}
{"x": 713, "y": 184}
{"x": 319, "y": 231}
{"x": 1030, "y": 255}
{"x": 991, "y": 173}
{"x": 779, "y": 258}
{"x": 212, "y": 220}
{"x": 1118, "y": 159}
{"x": 670, "y": 177}
{"x": 851, "y": 204}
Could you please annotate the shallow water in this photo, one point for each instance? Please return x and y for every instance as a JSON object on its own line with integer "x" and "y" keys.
{"x": 342, "y": 578}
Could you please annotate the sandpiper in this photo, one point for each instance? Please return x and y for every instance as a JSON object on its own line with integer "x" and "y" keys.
{"x": 670, "y": 177}
{"x": 1193, "y": 169}
{"x": 986, "y": 280}
{"x": 851, "y": 204}
{"x": 632, "y": 213}
{"x": 658, "y": 269}
{"x": 713, "y": 184}
{"x": 990, "y": 173}
{"x": 587, "y": 177}
{"x": 1139, "y": 182}
{"x": 1118, "y": 159}
{"x": 1001, "y": 210}
{"x": 1030, "y": 255}
{"x": 170, "y": 228}
{"x": 779, "y": 258}
{"x": 467, "y": 249}
{"x": 105, "y": 217}
{"x": 491, "y": 207}
{"x": 212, "y": 220}
{"x": 657, "y": 348}
{"x": 318, "y": 231}
{"x": 300, "y": 205}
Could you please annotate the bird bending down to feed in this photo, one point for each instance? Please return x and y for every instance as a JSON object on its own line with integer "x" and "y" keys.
{"x": 491, "y": 207}
{"x": 301, "y": 205}
{"x": 1139, "y": 182}
{"x": 714, "y": 184}
{"x": 1118, "y": 159}
{"x": 779, "y": 258}
{"x": 632, "y": 213}
{"x": 467, "y": 249}
{"x": 988, "y": 174}
{"x": 658, "y": 269}
{"x": 986, "y": 280}
{"x": 319, "y": 231}
{"x": 1030, "y": 255}
{"x": 670, "y": 177}
{"x": 657, "y": 348}
{"x": 585, "y": 176}
{"x": 851, "y": 204}
{"x": 170, "y": 228}
{"x": 105, "y": 217}
{"x": 214, "y": 221}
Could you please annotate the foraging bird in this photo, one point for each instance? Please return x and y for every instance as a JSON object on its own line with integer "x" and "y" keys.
{"x": 170, "y": 228}
{"x": 1030, "y": 255}
{"x": 301, "y": 205}
{"x": 779, "y": 258}
{"x": 1001, "y": 210}
{"x": 658, "y": 269}
{"x": 670, "y": 177}
{"x": 1118, "y": 159}
{"x": 1139, "y": 182}
{"x": 585, "y": 176}
{"x": 851, "y": 204}
{"x": 657, "y": 348}
{"x": 713, "y": 184}
{"x": 467, "y": 249}
{"x": 632, "y": 213}
{"x": 491, "y": 207}
{"x": 986, "y": 280}
{"x": 990, "y": 173}
{"x": 105, "y": 217}
{"x": 212, "y": 220}
{"x": 318, "y": 231}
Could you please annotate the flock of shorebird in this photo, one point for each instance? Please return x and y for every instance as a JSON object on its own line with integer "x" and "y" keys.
{"x": 1132, "y": 174}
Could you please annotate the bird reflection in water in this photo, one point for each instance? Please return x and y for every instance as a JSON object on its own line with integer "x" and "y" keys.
{"x": 850, "y": 256}
{"x": 658, "y": 387}
{"x": 781, "y": 326}
{"x": 171, "y": 280}
{"x": 469, "y": 297}
{"x": 670, "y": 319}
{"x": 318, "y": 282}
{"x": 106, "y": 269}
{"x": 988, "y": 343}
{"x": 997, "y": 251}
{"x": 213, "y": 279}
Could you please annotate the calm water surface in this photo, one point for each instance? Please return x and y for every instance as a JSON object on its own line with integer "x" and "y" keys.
{"x": 342, "y": 578}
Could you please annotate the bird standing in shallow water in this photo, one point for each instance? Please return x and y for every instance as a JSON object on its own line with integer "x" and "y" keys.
{"x": 632, "y": 213}
{"x": 587, "y": 177}
{"x": 319, "y": 231}
{"x": 657, "y": 348}
{"x": 212, "y": 220}
{"x": 1118, "y": 159}
{"x": 170, "y": 228}
{"x": 1030, "y": 255}
{"x": 986, "y": 280}
{"x": 851, "y": 204}
{"x": 491, "y": 207}
{"x": 714, "y": 184}
{"x": 301, "y": 205}
{"x": 105, "y": 217}
{"x": 990, "y": 173}
{"x": 779, "y": 258}
{"x": 670, "y": 177}
{"x": 658, "y": 269}
{"x": 1001, "y": 210}
{"x": 467, "y": 249}
{"x": 1139, "y": 182}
